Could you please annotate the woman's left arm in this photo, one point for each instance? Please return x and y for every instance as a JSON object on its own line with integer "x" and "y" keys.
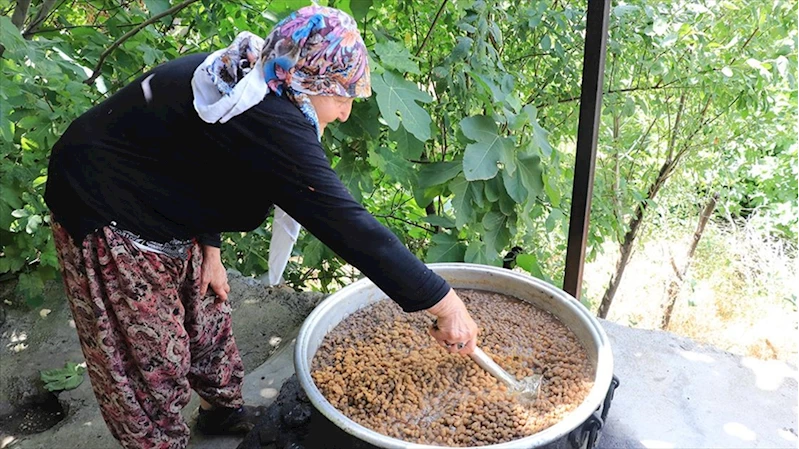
{"x": 213, "y": 273}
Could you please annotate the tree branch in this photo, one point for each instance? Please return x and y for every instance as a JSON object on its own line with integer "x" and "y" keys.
{"x": 530, "y": 55}
{"x": 131, "y": 33}
{"x": 20, "y": 13}
{"x": 625, "y": 89}
{"x": 746, "y": 42}
{"x": 676, "y": 127}
{"x": 432, "y": 25}
{"x": 408, "y": 222}
{"x": 41, "y": 16}
{"x": 72, "y": 27}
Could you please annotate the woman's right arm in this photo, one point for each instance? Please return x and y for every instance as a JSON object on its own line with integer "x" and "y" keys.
{"x": 302, "y": 182}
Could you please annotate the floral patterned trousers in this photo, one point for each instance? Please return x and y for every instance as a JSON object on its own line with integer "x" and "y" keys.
{"x": 148, "y": 336}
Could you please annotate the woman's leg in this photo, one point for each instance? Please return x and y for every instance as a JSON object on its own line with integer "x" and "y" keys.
{"x": 216, "y": 372}
{"x": 129, "y": 319}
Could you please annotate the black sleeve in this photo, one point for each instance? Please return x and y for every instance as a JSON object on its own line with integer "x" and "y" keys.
{"x": 302, "y": 182}
{"x": 214, "y": 240}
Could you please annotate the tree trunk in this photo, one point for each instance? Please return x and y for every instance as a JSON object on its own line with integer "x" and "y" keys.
{"x": 679, "y": 274}
{"x": 629, "y": 239}
{"x": 20, "y": 13}
{"x": 617, "y": 210}
{"x": 41, "y": 16}
{"x": 672, "y": 159}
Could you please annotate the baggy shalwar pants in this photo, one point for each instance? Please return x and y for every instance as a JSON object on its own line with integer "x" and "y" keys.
{"x": 148, "y": 336}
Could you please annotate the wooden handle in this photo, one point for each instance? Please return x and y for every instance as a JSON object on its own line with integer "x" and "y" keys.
{"x": 485, "y": 362}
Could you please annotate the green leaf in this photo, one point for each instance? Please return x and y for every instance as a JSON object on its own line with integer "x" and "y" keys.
{"x": 529, "y": 263}
{"x": 397, "y": 99}
{"x": 507, "y": 205}
{"x": 29, "y": 122}
{"x": 622, "y": 10}
{"x": 394, "y": 165}
{"x": 156, "y": 6}
{"x": 546, "y": 43}
{"x": 530, "y": 173}
{"x": 554, "y": 219}
{"x": 6, "y": 125}
{"x": 396, "y": 56}
{"x": 552, "y": 191}
{"x": 481, "y": 159}
{"x": 445, "y": 248}
{"x": 540, "y": 135}
{"x": 490, "y": 87}
{"x": 425, "y": 195}
{"x": 409, "y": 147}
{"x": 493, "y": 189}
{"x": 356, "y": 176}
{"x": 360, "y": 8}
{"x": 477, "y": 193}
{"x": 514, "y": 186}
{"x": 363, "y": 121}
{"x": 33, "y": 223}
{"x": 313, "y": 253}
{"x": 462, "y": 202}
{"x": 10, "y": 36}
{"x": 67, "y": 378}
{"x": 438, "y": 220}
{"x": 497, "y": 235}
{"x": 39, "y": 181}
{"x": 493, "y": 220}
{"x": 6, "y": 219}
{"x": 476, "y": 253}
{"x": 72, "y": 382}
{"x": 461, "y": 49}
{"x": 438, "y": 173}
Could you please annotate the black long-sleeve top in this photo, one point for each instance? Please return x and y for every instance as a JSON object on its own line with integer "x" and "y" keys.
{"x": 155, "y": 168}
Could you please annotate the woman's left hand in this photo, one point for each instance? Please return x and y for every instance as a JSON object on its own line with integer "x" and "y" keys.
{"x": 213, "y": 273}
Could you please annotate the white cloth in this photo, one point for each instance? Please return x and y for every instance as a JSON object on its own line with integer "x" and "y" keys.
{"x": 214, "y": 107}
{"x": 284, "y": 235}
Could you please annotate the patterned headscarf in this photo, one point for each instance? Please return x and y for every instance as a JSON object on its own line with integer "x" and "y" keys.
{"x": 314, "y": 51}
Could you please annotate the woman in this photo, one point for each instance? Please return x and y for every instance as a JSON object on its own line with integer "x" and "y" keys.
{"x": 141, "y": 186}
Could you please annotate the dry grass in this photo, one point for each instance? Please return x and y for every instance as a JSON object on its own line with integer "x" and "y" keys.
{"x": 736, "y": 296}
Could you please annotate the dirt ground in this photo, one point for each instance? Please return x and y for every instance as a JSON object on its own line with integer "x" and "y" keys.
{"x": 31, "y": 341}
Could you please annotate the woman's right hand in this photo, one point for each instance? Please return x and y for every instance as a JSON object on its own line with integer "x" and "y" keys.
{"x": 454, "y": 328}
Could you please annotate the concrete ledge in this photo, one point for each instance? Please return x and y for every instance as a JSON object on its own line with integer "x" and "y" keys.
{"x": 674, "y": 393}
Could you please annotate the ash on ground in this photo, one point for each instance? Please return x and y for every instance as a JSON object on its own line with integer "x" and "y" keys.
{"x": 292, "y": 422}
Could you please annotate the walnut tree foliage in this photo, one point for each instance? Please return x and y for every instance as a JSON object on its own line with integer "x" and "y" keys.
{"x": 466, "y": 147}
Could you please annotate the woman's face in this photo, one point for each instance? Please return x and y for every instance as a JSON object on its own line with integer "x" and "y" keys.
{"x": 331, "y": 108}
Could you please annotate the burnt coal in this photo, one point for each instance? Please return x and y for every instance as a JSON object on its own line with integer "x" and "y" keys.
{"x": 292, "y": 422}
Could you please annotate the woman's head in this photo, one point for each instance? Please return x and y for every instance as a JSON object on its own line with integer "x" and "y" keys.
{"x": 317, "y": 51}
{"x": 315, "y": 55}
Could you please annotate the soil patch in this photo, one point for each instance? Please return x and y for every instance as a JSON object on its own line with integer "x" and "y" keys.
{"x": 37, "y": 415}
{"x": 264, "y": 319}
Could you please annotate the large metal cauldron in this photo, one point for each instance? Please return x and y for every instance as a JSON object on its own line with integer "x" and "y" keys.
{"x": 460, "y": 275}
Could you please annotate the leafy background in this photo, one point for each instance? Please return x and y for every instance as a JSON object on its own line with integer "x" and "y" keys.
{"x": 466, "y": 148}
